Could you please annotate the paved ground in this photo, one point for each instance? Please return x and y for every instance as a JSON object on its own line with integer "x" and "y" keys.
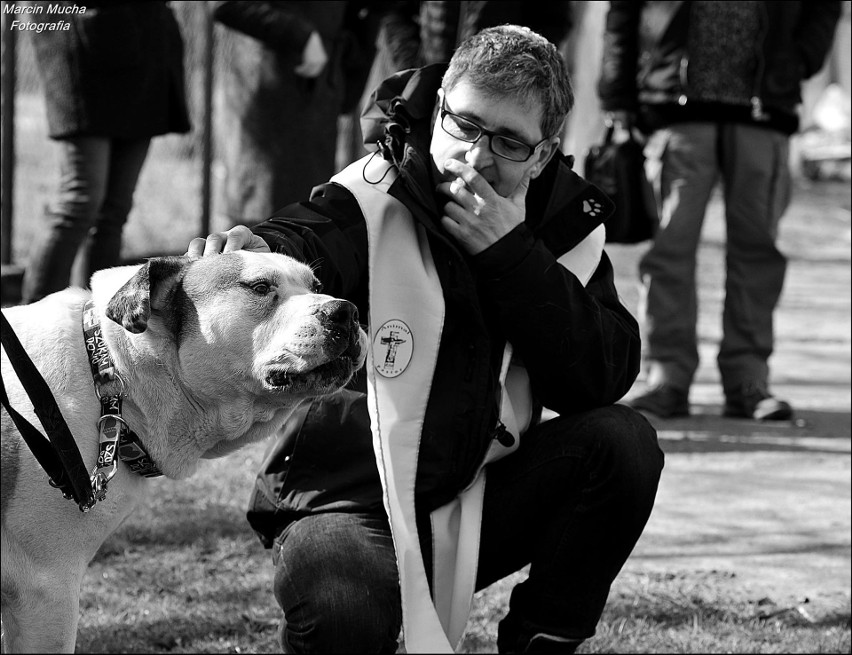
{"x": 768, "y": 504}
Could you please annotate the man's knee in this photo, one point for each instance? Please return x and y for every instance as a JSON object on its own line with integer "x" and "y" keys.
{"x": 329, "y": 622}
{"x": 336, "y": 594}
{"x": 630, "y": 436}
{"x": 622, "y": 446}
{"x": 631, "y": 446}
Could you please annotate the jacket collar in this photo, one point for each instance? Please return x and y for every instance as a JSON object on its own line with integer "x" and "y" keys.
{"x": 398, "y": 121}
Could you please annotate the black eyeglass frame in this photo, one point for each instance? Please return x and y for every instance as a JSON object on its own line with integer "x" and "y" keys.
{"x": 490, "y": 134}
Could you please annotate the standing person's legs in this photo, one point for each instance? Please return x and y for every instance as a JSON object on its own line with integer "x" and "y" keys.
{"x": 572, "y": 502}
{"x": 83, "y": 177}
{"x": 336, "y": 581}
{"x": 684, "y": 171}
{"x": 756, "y": 175}
{"x": 682, "y": 167}
{"x": 102, "y": 248}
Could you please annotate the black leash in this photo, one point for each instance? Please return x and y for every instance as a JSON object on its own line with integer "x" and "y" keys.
{"x": 59, "y": 456}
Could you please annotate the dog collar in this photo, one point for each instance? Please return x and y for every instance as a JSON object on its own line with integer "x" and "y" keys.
{"x": 115, "y": 436}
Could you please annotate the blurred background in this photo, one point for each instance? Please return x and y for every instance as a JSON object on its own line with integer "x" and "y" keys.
{"x": 177, "y": 196}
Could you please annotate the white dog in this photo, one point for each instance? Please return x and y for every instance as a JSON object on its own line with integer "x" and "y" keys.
{"x": 211, "y": 354}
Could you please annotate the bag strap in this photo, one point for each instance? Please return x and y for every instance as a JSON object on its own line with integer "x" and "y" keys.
{"x": 59, "y": 456}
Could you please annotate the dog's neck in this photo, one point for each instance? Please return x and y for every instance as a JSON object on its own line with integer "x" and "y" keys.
{"x": 177, "y": 425}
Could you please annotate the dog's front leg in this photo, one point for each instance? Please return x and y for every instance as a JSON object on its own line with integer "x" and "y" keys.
{"x": 41, "y": 609}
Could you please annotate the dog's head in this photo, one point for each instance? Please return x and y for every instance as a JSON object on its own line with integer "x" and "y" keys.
{"x": 245, "y": 322}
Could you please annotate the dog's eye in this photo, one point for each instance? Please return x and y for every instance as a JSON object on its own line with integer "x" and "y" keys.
{"x": 316, "y": 287}
{"x": 260, "y": 288}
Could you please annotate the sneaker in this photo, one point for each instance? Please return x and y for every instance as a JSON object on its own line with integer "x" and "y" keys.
{"x": 754, "y": 401}
{"x": 663, "y": 400}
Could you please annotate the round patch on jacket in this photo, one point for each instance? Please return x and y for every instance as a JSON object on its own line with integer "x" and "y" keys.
{"x": 392, "y": 348}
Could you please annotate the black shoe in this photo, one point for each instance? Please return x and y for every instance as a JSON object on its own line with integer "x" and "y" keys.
{"x": 542, "y": 643}
{"x": 754, "y": 401}
{"x": 527, "y": 639}
{"x": 663, "y": 400}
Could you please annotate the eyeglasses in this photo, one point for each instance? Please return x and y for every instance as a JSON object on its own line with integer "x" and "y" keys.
{"x": 466, "y": 130}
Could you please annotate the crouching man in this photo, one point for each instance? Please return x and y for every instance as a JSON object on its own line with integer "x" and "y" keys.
{"x": 476, "y": 256}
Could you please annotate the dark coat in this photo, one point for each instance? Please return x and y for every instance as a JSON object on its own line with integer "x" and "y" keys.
{"x": 278, "y": 131}
{"x": 579, "y": 344}
{"x": 646, "y": 56}
{"x": 422, "y": 33}
{"x": 117, "y": 72}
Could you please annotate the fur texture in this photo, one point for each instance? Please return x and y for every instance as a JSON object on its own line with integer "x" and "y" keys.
{"x": 217, "y": 352}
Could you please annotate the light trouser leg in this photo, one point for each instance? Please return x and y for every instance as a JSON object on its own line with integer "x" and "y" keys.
{"x": 682, "y": 167}
{"x": 754, "y": 163}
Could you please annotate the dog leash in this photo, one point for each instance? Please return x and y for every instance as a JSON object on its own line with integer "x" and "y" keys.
{"x": 57, "y": 453}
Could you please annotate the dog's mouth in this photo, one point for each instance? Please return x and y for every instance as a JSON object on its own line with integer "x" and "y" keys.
{"x": 324, "y": 378}
{"x": 333, "y": 373}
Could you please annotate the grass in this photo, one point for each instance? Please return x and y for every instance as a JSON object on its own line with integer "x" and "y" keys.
{"x": 186, "y": 574}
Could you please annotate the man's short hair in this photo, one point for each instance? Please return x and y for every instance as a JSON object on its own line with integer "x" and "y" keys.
{"x": 515, "y": 61}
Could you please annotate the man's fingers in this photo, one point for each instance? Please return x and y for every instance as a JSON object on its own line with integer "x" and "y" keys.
{"x": 520, "y": 195}
{"x": 237, "y": 238}
{"x": 213, "y": 244}
{"x": 196, "y": 247}
{"x": 461, "y": 195}
{"x": 470, "y": 176}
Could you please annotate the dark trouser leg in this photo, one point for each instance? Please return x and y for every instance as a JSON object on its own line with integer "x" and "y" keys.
{"x": 102, "y": 248}
{"x": 572, "y": 502}
{"x": 336, "y": 580}
{"x": 755, "y": 164}
{"x": 83, "y": 176}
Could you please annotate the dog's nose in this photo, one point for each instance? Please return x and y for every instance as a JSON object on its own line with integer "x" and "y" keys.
{"x": 339, "y": 313}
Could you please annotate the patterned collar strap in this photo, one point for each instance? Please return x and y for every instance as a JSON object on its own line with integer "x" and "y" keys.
{"x": 115, "y": 436}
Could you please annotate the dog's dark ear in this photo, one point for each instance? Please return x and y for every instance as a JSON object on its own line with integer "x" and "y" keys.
{"x": 149, "y": 289}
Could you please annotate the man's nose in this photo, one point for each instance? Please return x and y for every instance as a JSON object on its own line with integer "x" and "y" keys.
{"x": 479, "y": 154}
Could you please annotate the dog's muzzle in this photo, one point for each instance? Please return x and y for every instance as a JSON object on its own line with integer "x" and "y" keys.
{"x": 343, "y": 347}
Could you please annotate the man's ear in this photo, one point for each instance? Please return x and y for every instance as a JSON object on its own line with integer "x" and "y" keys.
{"x": 544, "y": 155}
{"x": 148, "y": 290}
{"x": 439, "y": 99}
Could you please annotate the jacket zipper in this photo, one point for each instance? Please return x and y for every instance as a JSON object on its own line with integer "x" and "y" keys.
{"x": 682, "y": 74}
{"x": 757, "y": 112}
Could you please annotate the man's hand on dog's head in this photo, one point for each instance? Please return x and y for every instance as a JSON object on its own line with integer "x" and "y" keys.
{"x": 237, "y": 238}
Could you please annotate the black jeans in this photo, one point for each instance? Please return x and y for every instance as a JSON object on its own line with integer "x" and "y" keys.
{"x": 572, "y": 502}
{"x": 98, "y": 176}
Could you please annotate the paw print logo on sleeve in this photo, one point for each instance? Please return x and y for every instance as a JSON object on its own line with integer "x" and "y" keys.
{"x": 592, "y": 207}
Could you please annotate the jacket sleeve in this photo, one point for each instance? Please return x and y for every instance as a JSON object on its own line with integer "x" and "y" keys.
{"x": 579, "y": 344}
{"x": 402, "y": 34}
{"x": 328, "y": 233}
{"x": 617, "y": 84}
{"x": 276, "y": 24}
{"x": 815, "y": 33}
